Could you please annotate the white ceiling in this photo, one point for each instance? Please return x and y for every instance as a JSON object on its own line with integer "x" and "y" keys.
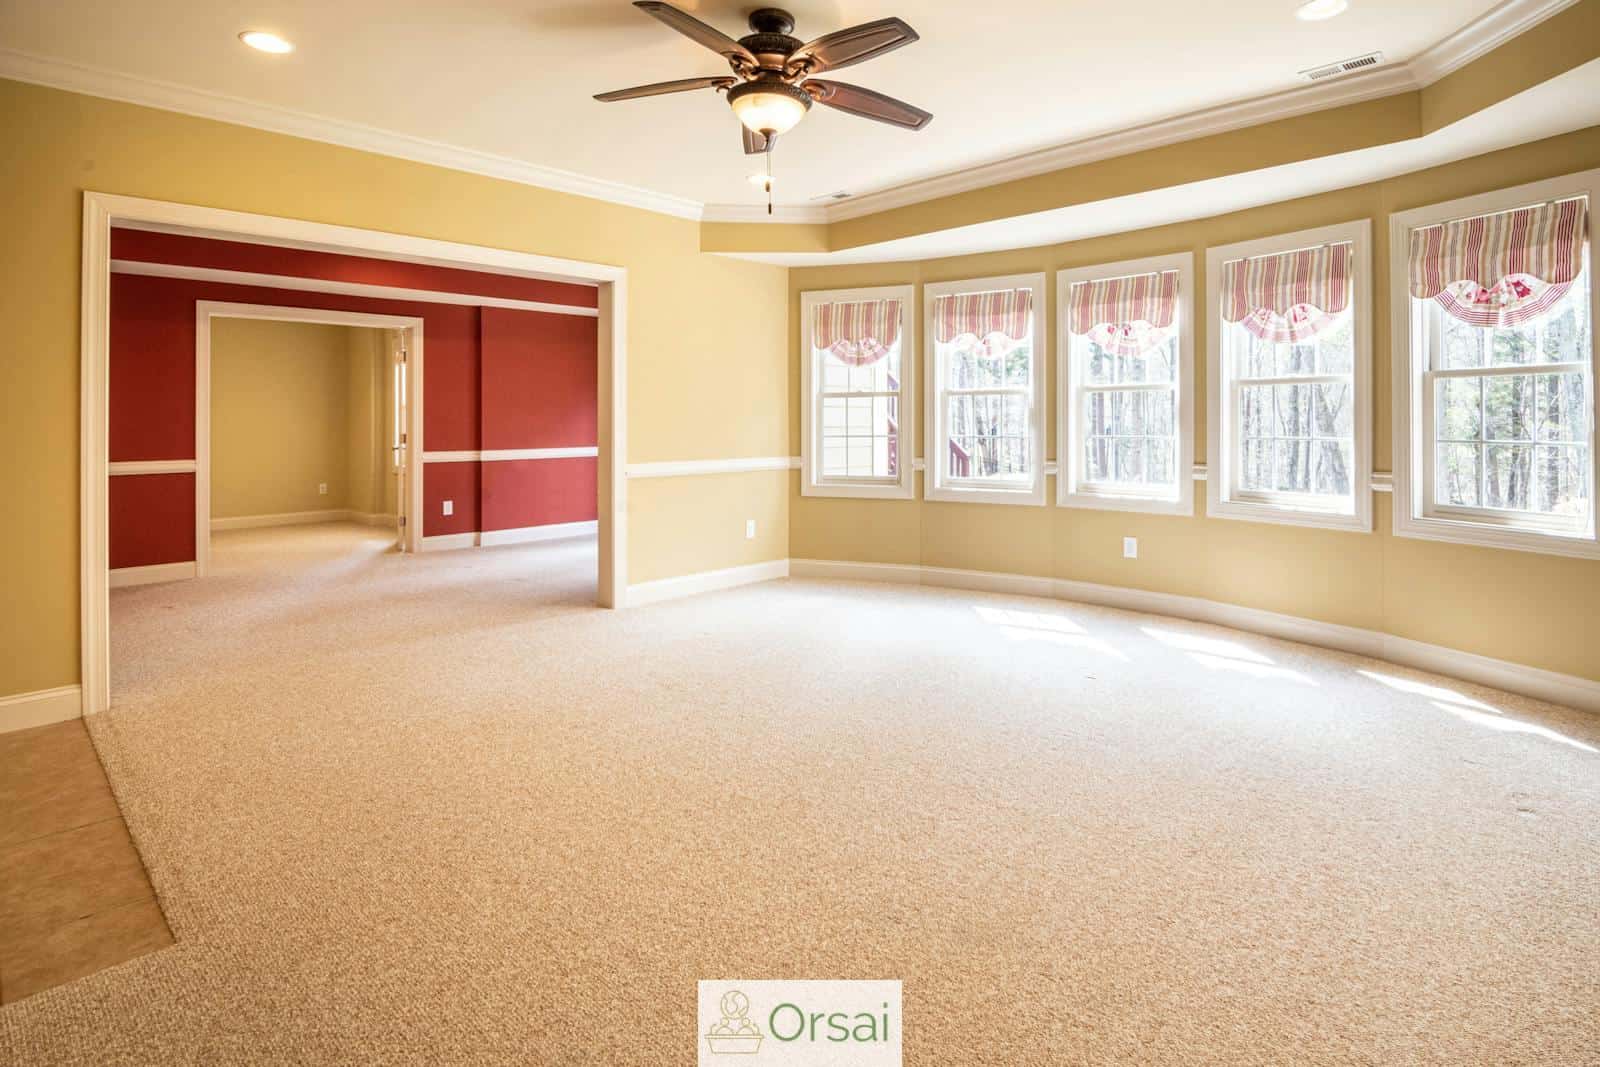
{"x": 514, "y": 77}
{"x": 1568, "y": 102}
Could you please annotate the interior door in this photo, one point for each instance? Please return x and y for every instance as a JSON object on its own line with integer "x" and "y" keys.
{"x": 400, "y": 419}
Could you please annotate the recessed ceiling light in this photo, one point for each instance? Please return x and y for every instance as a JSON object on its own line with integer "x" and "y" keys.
{"x": 262, "y": 41}
{"x": 1317, "y": 10}
{"x": 762, "y": 180}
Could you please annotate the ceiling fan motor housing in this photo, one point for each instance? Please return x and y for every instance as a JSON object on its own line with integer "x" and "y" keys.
{"x": 771, "y": 20}
{"x": 771, "y": 41}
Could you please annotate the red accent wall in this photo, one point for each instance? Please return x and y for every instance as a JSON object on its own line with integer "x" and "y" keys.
{"x": 149, "y": 247}
{"x": 152, "y": 360}
{"x": 152, "y": 393}
{"x": 537, "y": 492}
{"x": 459, "y": 483}
{"x": 152, "y": 519}
{"x": 494, "y": 378}
{"x": 540, "y": 377}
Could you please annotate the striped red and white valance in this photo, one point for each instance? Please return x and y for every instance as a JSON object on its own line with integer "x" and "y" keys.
{"x": 1007, "y": 312}
{"x": 859, "y": 333}
{"x": 1127, "y": 315}
{"x": 1501, "y": 269}
{"x": 1291, "y": 296}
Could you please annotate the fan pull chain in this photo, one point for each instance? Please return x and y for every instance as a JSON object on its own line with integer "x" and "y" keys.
{"x": 768, "y": 154}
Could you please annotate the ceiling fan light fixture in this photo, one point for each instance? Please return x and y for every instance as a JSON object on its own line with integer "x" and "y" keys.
{"x": 769, "y": 106}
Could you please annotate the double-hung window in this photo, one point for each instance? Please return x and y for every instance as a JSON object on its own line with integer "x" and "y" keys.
{"x": 1494, "y": 386}
{"x": 985, "y": 342}
{"x": 1290, "y": 413}
{"x": 1126, "y": 356}
{"x": 855, "y": 404}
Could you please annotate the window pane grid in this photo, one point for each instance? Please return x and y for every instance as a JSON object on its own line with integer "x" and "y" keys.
{"x": 856, "y": 427}
{"x": 1124, "y": 419}
{"x": 1023, "y": 393}
{"x": 1508, "y": 413}
{"x": 1292, "y": 417}
{"x": 984, "y": 403}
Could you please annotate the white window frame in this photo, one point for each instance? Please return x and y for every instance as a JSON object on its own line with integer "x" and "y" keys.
{"x": 1070, "y": 490}
{"x": 936, "y": 485}
{"x": 812, "y": 483}
{"x": 1223, "y": 500}
{"x": 1415, "y": 514}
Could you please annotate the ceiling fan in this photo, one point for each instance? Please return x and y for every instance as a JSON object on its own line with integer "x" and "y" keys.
{"x": 772, "y": 86}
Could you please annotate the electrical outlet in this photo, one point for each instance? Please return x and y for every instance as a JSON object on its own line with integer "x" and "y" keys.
{"x": 322, "y": 489}
{"x": 749, "y": 529}
{"x": 449, "y": 507}
{"x": 1130, "y": 548}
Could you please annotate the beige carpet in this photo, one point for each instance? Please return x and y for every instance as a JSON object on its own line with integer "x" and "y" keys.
{"x": 439, "y": 810}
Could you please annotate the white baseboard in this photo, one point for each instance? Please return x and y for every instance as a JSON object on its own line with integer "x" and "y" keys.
{"x": 287, "y": 518}
{"x": 149, "y": 575}
{"x": 551, "y": 532}
{"x": 1551, "y": 686}
{"x": 519, "y": 535}
{"x": 26, "y": 710}
{"x": 438, "y": 542}
{"x": 705, "y": 582}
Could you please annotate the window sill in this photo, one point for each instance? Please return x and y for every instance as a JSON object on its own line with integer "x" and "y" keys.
{"x": 1359, "y": 521}
{"x": 1030, "y": 496}
{"x": 1183, "y": 505}
{"x": 1496, "y": 535}
{"x": 901, "y": 490}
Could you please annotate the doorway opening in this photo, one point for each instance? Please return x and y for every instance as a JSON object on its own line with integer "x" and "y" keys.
{"x": 605, "y": 308}
{"x": 305, "y": 415}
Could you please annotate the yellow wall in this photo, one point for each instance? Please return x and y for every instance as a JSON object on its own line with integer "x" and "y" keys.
{"x": 1532, "y": 609}
{"x": 280, "y": 427}
{"x": 699, "y": 325}
{"x": 369, "y": 417}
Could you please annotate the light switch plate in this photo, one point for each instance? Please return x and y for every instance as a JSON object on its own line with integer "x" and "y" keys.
{"x": 1130, "y": 548}
{"x": 449, "y": 507}
{"x": 749, "y": 529}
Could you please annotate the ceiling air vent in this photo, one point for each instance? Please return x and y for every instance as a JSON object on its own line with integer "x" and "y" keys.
{"x": 841, "y": 195}
{"x": 1344, "y": 66}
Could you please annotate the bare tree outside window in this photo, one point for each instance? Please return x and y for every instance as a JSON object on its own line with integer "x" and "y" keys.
{"x": 988, "y": 397}
{"x": 1511, "y": 411}
{"x": 1295, "y": 410}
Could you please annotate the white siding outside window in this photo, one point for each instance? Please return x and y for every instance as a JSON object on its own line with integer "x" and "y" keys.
{"x": 855, "y": 400}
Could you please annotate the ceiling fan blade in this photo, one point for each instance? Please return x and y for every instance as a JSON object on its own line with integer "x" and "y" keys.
{"x": 698, "y": 31}
{"x": 868, "y": 104}
{"x": 682, "y": 85}
{"x": 854, "y": 45}
{"x": 756, "y": 143}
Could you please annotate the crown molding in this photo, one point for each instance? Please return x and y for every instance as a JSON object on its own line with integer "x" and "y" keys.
{"x": 1301, "y": 100}
{"x": 1486, "y": 33}
{"x": 807, "y": 213}
{"x": 1483, "y": 35}
{"x": 167, "y": 96}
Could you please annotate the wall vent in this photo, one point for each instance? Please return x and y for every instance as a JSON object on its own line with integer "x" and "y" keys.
{"x": 1344, "y": 66}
